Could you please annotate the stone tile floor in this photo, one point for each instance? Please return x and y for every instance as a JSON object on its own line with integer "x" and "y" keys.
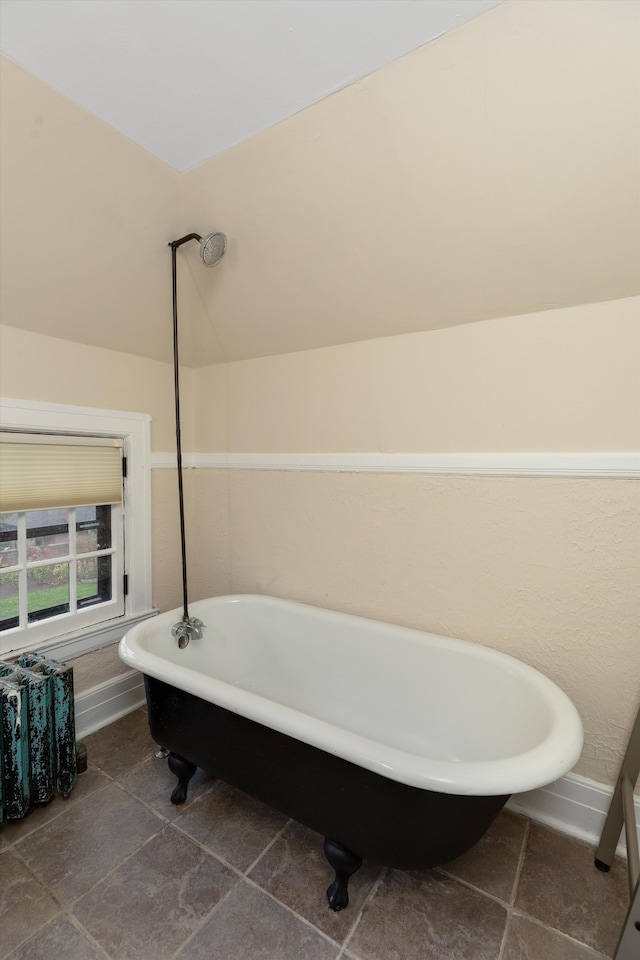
{"x": 117, "y": 873}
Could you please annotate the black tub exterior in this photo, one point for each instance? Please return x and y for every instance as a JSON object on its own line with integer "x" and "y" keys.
{"x": 361, "y": 812}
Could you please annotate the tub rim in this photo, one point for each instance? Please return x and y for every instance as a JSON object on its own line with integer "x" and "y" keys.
{"x": 534, "y": 768}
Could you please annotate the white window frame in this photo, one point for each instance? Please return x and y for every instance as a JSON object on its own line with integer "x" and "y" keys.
{"x": 51, "y": 626}
{"x": 134, "y": 429}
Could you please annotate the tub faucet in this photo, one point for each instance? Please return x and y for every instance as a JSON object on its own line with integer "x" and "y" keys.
{"x": 186, "y": 629}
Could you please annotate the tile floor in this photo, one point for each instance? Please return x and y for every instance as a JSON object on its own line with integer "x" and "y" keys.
{"x": 116, "y": 873}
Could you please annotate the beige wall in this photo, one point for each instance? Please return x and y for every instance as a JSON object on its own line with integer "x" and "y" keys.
{"x": 37, "y": 367}
{"x": 86, "y": 219}
{"x": 490, "y": 173}
{"x": 561, "y": 380}
{"x": 546, "y": 569}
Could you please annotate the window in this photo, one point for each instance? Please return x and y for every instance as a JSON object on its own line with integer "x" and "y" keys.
{"x": 61, "y": 543}
{"x": 59, "y": 562}
{"x": 64, "y": 527}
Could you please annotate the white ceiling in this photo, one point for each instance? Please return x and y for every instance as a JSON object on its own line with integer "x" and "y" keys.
{"x": 187, "y": 79}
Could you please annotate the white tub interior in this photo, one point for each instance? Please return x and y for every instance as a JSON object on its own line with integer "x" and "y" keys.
{"x": 427, "y": 710}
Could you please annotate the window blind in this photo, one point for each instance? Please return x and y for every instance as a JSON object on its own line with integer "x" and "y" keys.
{"x": 41, "y": 471}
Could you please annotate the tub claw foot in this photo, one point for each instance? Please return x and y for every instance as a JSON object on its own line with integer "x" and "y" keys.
{"x": 338, "y": 895}
{"x": 345, "y": 863}
{"x": 183, "y": 770}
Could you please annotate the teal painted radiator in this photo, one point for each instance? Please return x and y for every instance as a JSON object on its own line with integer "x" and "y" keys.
{"x": 37, "y": 733}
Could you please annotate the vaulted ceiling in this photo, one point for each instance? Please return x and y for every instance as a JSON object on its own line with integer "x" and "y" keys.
{"x": 490, "y": 172}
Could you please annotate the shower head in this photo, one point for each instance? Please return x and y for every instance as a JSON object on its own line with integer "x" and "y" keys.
{"x": 213, "y": 248}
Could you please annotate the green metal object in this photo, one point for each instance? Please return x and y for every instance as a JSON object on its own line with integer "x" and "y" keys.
{"x": 15, "y": 750}
{"x": 64, "y": 721}
{"x": 38, "y": 691}
{"x": 37, "y": 733}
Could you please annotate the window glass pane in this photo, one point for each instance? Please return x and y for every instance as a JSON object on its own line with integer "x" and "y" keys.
{"x": 93, "y": 581}
{"x": 48, "y": 591}
{"x": 8, "y": 539}
{"x": 47, "y": 534}
{"x": 93, "y": 529}
{"x": 9, "y": 604}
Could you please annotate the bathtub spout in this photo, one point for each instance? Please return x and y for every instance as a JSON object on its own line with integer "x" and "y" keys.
{"x": 189, "y": 628}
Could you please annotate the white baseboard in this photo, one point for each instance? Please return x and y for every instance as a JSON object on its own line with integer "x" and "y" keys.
{"x": 107, "y": 702}
{"x": 573, "y": 805}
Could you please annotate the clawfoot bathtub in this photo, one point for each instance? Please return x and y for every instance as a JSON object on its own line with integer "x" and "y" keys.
{"x": 399, "y": 746}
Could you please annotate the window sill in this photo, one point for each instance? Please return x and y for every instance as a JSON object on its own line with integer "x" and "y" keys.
{"x": 76, "y": 644}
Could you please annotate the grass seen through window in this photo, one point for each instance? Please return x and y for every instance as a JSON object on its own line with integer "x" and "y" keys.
{"x": 45, "y": 598}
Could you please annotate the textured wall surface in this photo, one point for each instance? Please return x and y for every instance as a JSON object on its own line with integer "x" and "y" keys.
{"x": 544, "y": 569}
{"x": 206, "y": 497}
{"x": 208, "y": 539}
{"x": 165, "y": 540}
